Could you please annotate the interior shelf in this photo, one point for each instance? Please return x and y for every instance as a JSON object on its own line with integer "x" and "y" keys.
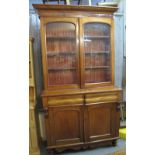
{"x": 98, "y": 52}
{"x": 61, "y": 37}
{"x": 60, "y": 53}
{"x": 61, "y": 69}
{"x": 95, "y": 37}
{"x": 98, "y": 67}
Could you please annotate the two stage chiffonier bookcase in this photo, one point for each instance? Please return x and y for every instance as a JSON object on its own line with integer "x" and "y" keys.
{"x": 80, "y": 101}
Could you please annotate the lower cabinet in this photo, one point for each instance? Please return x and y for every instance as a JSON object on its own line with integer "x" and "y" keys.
{"x": 100, "y": 121}
{"x": 66, "y": 125}
{"x": 81, "y": 125}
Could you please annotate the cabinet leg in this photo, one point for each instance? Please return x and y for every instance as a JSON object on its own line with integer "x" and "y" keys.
{"x": 114, "y": 142}
{"x": 85, "y": 147}
{"x": 50, "y": 152}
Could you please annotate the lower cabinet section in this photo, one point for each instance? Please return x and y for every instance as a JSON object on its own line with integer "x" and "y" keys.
{"x": 66, "y": 125}
{"x": 100, "y": 120}
{"x": 81, "y": 125}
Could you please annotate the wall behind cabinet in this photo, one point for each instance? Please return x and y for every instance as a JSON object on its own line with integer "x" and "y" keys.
{"x": 34, "y": 31}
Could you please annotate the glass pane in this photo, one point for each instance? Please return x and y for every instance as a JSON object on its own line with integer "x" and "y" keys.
{"x": 61, "y": 53}
{"x": 97, "y": 52}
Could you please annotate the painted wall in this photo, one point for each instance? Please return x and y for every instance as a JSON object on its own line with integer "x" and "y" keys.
{"x": 119, "y": 18}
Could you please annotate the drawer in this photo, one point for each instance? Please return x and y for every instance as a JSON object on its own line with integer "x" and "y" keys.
{"x": 60, "y": 100}
{"x": 102, "y": 97}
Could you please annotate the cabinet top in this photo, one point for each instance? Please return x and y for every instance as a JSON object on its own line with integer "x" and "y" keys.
{"x": 101, "y": 9}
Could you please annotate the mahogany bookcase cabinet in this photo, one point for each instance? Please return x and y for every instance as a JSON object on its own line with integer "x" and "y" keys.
{"x": 80, "y": 101}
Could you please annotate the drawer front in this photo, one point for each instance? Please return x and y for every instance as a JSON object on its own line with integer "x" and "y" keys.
{"x": 61, "y": 100}
{"x": 102, "y": 97}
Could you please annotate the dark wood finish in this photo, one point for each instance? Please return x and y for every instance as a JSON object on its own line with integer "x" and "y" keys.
{"x": 79, "y": 114}
{"x": 114, "y": 142}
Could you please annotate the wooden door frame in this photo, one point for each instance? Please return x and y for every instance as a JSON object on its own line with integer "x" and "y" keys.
{"x": 110, "y": 22}
{"x": 44, "y": 21}
{"x": 113, "y": 118}
{"x": 52, "y": 114}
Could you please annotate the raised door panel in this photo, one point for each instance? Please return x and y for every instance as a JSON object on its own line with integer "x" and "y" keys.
{"x": 97, "y": 51}
{"x": 100, "y": 121}
{"x": 66, "y": 125}
{"x": 60, "y": 52}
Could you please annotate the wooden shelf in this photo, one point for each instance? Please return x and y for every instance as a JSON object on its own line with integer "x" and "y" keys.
{"x": 98, "y": 67}
{"x": 61, "y": 69}
{"x": 59, "y": 53}
{"x": 95, "y": 37}
{"x": 61, "y": 37}
{"x": 98, "y": 52}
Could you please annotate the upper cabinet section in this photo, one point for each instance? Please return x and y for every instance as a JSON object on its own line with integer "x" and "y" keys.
{"x": 77, "y": 46}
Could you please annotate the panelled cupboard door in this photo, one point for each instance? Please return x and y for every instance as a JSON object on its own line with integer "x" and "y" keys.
{"x": 97, "y": 51}
{"x": 100, "y": 120}
{"x": 60, "y": 53}
{"x": 66, "y": 125}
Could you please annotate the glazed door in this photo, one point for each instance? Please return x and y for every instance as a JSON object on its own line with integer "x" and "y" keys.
{"x": 66, "y": 125}
{"x": 96, "y": 51}
{"x": 60, "y": 52}
{"x": 101, "y": 121}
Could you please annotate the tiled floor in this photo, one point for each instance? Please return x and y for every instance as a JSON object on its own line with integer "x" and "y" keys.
{"x": 97, "y": 151}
